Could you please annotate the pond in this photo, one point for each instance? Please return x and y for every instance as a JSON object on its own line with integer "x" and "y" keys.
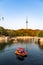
{"x": 34, "y": 54}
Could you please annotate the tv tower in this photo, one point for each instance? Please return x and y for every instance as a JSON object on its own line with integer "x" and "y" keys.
{"x": 26, "y": 23}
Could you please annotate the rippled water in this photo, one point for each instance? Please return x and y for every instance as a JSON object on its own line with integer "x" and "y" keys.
{"x": 34, "y": 56}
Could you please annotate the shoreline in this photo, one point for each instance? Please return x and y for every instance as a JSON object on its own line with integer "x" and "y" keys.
{"x": 35, "y": 39}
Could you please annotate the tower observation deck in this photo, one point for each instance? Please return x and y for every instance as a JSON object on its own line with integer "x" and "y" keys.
{"x": 26, "y": 23}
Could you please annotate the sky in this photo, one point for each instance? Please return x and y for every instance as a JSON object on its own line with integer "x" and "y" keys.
{"x": 16, "y": 11}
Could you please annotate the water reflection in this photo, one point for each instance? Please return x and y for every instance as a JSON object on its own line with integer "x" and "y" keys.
{"x": 34, "y": 57}
{"x": 40, "y": 46}
{"x": 20, "y": 58}
{"x": 3, "y": 45}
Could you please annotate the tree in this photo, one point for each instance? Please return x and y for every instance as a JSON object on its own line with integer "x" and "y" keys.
{"x": 40, "y": 34}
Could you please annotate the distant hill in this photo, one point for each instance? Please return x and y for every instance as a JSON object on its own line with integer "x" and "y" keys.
{"x": 21, "y": 32}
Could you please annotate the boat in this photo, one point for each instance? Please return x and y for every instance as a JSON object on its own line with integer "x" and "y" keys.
{"x": 21, "y": 52}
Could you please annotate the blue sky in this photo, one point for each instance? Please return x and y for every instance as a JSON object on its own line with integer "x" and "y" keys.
{"x": 15, "y": 12}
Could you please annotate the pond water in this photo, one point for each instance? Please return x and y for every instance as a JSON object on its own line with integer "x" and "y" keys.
{"x": 34, "y": 56}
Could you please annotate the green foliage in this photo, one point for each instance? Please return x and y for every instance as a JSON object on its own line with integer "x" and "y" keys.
{"x": 11, "y": 33}
{"x": 40, "y": 34}
{"x": 21, "y": 32}
{"x": 2, "y": 31}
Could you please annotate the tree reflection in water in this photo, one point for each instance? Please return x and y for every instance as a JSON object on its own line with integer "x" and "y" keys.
{"x": 3, "y": 45}
{"x": 40, "y": 46}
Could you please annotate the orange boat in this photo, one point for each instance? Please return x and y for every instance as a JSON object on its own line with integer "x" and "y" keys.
{"x": 21, "y": 52}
